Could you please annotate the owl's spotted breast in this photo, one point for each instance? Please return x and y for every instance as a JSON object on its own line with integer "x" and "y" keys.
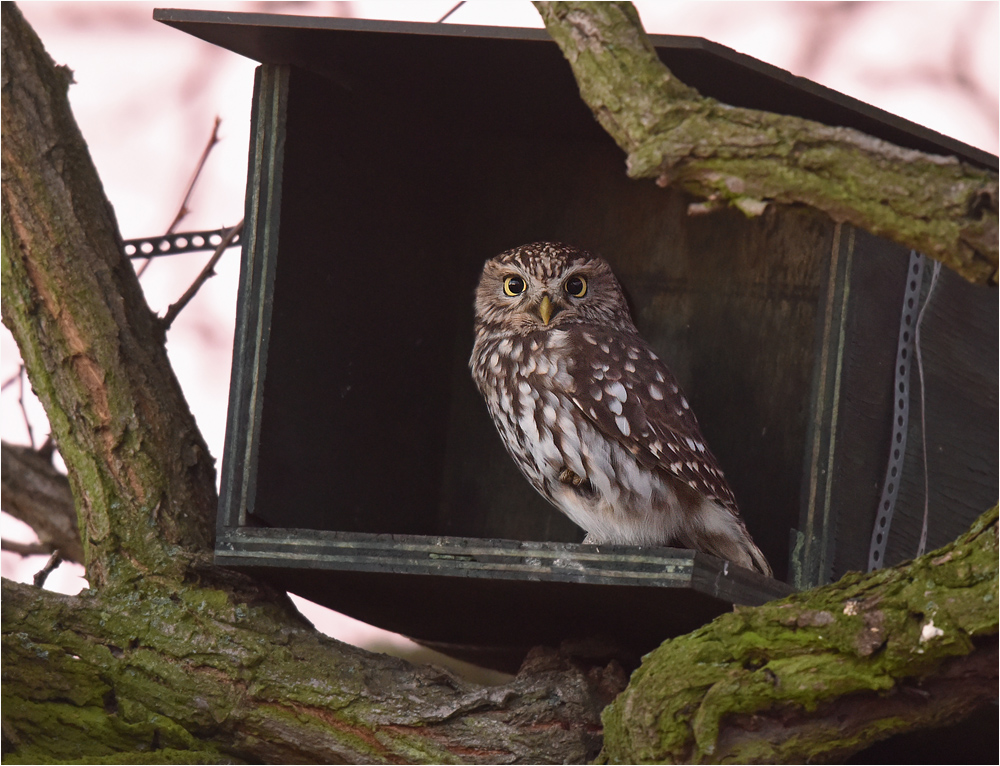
{"x": 590, "y": 414}
{"x": 516, "y": 377}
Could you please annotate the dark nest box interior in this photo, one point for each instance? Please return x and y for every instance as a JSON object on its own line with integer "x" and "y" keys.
{"x": 387, "y": 162}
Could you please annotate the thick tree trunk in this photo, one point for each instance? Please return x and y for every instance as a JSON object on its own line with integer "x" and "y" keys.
{"x": 937, "y": 205}
{"x": 168, "y": 657}
{"x": 141, "y": 474}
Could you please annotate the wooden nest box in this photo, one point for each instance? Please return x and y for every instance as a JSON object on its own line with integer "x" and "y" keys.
{"x": 387, "y": 162}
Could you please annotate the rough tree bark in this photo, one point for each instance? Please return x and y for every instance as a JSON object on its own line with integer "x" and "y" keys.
{"x": 937, "y": 205}
{"x": 168, "y": 657}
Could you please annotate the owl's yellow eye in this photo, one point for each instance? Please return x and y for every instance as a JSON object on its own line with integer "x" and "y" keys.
{"x": 576, "y": 286}
{"x": 514, "y": 286}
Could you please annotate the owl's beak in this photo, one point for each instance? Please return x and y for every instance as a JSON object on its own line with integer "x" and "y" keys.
{"x": 545, "y": 309}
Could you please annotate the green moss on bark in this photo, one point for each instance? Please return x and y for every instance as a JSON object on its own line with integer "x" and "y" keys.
{"x": 191, "y": 668}
{"x": 861, "y": 640}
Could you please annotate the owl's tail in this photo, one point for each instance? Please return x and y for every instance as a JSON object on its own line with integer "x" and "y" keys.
{"x": 759, "y": 562}
{"x": 723, "y": 534}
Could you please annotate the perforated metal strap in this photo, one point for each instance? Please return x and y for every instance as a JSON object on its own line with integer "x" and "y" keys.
{"x": 922, "y": 545}
{"x": 901, "y": 411}
{"x": 171, "y": 244}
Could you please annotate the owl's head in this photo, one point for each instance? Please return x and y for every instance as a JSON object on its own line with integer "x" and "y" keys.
{"x": 549, "y": 285}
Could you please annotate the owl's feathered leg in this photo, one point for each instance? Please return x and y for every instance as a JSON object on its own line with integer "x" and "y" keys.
{"x": 568, "y": 477}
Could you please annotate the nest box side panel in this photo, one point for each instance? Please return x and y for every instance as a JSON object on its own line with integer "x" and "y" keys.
{"x": 253, "y": 306}
{"x": 855, "y": 406}
{"x": 852, "y": 402}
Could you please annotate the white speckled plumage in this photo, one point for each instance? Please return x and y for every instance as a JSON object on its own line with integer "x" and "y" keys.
{"x": 591, "y": 415}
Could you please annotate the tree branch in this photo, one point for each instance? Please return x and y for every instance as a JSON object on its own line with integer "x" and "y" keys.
{"x": 37, "y": 494}
{"x": 50, "y": 566}
{"x": 824, "y": 673}
{"x": 139, "y": 469}
{"x": 748, "y": 158}
{"x": 183, "y": 211}
{"x": 220, "y": 679}
{"x": 26, "y": 549}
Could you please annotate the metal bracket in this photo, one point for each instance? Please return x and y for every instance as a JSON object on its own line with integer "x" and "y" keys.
{"x": 172, "y": 244}
{"x": 901, "y": 412}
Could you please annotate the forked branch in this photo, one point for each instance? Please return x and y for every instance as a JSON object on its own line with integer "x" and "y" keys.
{"x": 937, "y": 205}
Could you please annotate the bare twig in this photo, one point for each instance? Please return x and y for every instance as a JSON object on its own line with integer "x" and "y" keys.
{"x": 212, "y": 141}
{"x": 454, "y": 8}
{"x": 24, "y": 412}
{"x": 183, "y": 211}
{"x": 208, "y": 271}
{"x": 12, "y": 379}
{"x": 43, "y": 574}
{"x": 26, "y": 549}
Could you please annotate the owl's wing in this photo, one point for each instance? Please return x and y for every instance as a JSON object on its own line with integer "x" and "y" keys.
{"x": 631, "y": 396}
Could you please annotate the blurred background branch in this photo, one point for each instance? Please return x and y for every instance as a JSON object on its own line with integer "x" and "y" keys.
{"x": 39, "y": 495}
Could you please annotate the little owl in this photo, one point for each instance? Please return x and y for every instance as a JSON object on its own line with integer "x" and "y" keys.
{"x": 590, "y": 414}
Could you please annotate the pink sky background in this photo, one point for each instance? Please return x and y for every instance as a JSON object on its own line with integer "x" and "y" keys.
{"x": 146, "y": 96}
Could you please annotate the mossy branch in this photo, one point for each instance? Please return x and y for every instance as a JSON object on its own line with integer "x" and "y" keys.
{"x": 937, "y": 205}
{"x": 142, "y": 477}
{"x": 824, "y": 673}
{"x": 205, "y": 675}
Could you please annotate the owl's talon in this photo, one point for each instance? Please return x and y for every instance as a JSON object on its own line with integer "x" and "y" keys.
{"x": 568, "y": 477}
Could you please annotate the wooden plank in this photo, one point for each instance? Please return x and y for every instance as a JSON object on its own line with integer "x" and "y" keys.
{"x": 503, "y": 559}
{"x": 811, "y": 542}
{"x": 253, "y": 305}
{"x": 501, "y": 597}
